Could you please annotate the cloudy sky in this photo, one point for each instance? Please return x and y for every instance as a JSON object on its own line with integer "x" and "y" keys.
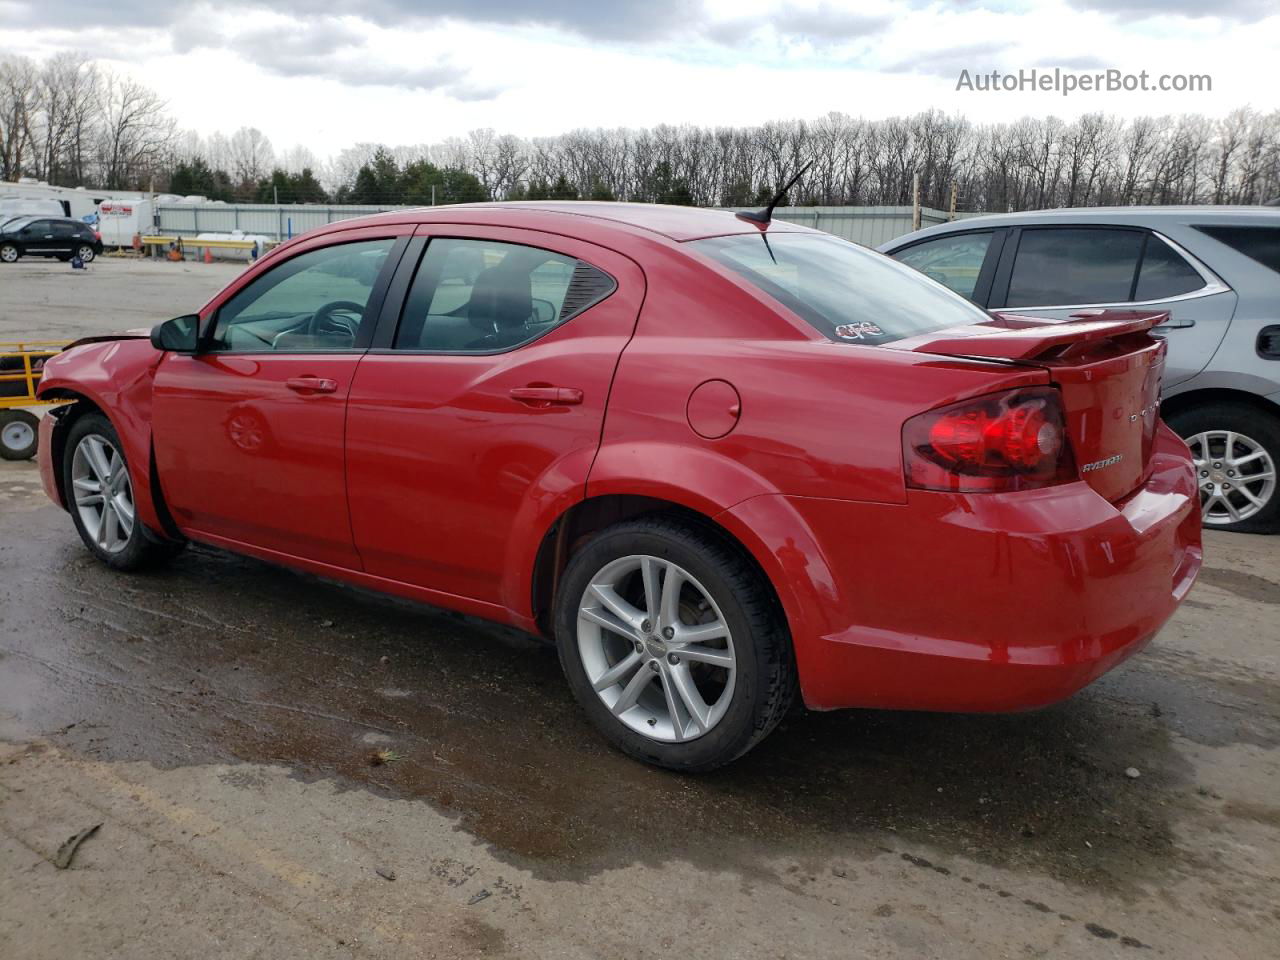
{"x": 326, "y": 73}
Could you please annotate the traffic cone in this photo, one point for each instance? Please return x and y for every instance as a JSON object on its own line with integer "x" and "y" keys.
{"x": 208, "y": 255}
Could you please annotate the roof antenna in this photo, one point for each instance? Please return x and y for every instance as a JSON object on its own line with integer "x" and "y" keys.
{"x": 766, "y": 215}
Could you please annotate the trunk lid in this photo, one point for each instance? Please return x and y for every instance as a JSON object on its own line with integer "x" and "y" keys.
{"x": 1108, "y": 368}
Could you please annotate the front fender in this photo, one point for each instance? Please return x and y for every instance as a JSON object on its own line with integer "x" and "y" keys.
{"x": 115, "y": 376}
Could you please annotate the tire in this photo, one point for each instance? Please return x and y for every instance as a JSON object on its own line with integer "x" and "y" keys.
{"x": 19, "y": 434}
{"x": 126, "y": 544}
{"x": 85, "y": 253}
{"x": 9, "y": 253}
{"x": 1225, "y": 476}
{"x": 722, "y": 592}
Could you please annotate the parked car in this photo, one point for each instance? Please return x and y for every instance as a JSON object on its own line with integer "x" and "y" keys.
{"x": 59, "y": 237}
{"x": 712, "y": 458}
{"x": 1215, "y": 269}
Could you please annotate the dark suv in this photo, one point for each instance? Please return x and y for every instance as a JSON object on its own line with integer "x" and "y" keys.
{"x": 58, "y": 237}
{"x": 1215, "y": 269}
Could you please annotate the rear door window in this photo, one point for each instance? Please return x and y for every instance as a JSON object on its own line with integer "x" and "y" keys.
{"x": 1077, "y": 265}
{"x": 1256, "y": 243}
{"x": 1165, "y": 273}
{"x": 954, "y": 261}
{"x": 486, "y": 296}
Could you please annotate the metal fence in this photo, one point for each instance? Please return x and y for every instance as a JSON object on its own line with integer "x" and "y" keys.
{"x": 870, "y": 226}
{"x": 866, "y": 225}
{"x": 279, "y": 221}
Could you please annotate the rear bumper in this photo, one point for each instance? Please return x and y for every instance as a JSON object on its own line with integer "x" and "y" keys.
{"x": 991, "y": 602}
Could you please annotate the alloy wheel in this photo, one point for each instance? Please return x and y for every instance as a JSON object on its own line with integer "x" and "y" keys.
{"x": 8, "y": 254}
{"x": 103, "y": 493}
{"x": 1236, "y": 474}
{"x": 656, "y": 648}
{"x": 86, "y": 254}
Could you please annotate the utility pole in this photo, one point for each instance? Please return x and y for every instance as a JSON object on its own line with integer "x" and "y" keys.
{"x": 953, "y": 202}
{"x": 915, "y": 202}
{"x": 433, "y": 194}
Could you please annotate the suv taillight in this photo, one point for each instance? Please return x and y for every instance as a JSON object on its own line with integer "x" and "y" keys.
{"x": 1014, "y": 440}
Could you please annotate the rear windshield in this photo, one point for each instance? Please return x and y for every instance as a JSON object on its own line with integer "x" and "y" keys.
{"x": 849, "y": 293}
{"x": 1260, "y": 243}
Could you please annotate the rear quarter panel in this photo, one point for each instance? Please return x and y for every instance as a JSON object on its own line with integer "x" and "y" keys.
{"x": 817, "y": 419}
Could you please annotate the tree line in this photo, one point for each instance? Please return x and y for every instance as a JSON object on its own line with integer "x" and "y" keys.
{"x": 70, "y": 122}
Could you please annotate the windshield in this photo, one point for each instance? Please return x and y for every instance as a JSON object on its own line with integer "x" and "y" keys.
{"x": 851, "y": 294}
{"x": 14, "y": 223}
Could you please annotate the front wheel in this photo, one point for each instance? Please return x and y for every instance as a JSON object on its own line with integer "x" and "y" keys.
{"x": 673, "y": 644}
{"x": 99, "y": 493}
{"x": 19, "y": 434}
{"x": 9, "y": 253}
{"x": 1236, "y": 449}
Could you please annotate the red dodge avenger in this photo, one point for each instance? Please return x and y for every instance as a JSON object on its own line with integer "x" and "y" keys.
{"x": 720, "y": 460}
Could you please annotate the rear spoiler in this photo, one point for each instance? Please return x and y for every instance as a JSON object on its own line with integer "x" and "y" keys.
{"x": 1011, "y": 336}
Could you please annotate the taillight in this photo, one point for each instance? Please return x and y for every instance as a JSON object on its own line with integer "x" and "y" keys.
{"x": 1004, "y": 441}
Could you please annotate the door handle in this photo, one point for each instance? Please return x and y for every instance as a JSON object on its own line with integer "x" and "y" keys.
{"x": 537, "y": 396}
{"x": 311, "y": 384}
{"x": 1175, "y": 324}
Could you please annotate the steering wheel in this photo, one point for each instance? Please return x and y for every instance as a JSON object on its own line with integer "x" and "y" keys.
{"x": 324, "y": 321}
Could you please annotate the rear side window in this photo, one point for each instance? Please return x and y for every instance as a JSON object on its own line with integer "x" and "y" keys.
{"x": 484, "y": 296}
{"x": 1164, "y": 273}
{"x": 1257, "y": 243}
{"x": 848, "y": 292}
{"x": 954, "y": 261}
{"x": 1069, "y": 266}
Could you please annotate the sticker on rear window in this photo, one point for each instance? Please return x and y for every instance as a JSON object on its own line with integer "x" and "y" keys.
{"x": 858, "y": 331}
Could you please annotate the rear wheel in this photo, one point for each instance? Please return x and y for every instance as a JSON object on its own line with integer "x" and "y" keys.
{"x": 99, "y": 494}
{"x": 85, "y": 253}
{"x": 19, "y": 434}
{"x": 1236, "y": 449}
{"x": 672, "y": 644}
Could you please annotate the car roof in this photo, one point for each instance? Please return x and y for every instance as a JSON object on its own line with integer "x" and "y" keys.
{"x": 1136, "y": 216}
{"x": 673, "y": 222}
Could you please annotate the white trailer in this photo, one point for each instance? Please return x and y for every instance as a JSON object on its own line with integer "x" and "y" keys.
{"x": 119, "y": 221}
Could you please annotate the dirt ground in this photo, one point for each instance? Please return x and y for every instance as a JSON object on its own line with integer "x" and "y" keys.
{"x": 218, "y": 719}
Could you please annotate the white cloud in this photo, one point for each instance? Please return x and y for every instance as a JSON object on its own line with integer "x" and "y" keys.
{"x": 329, "y": 74}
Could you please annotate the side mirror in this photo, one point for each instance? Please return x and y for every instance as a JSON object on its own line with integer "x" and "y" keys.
{"x": 181, "y": 334}
{"x": 544, "y": 311}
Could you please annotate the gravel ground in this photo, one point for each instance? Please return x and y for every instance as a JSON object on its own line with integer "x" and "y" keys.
{"x": 218, "y": 718}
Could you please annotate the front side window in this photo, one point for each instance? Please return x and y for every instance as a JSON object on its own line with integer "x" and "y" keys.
{"x": 314, "y": 302}
{"x": 1073, "y": 266}
{"x": 849, "y": 293}
{"x": 954, "y": 261}
{"x": 484, "y": 296}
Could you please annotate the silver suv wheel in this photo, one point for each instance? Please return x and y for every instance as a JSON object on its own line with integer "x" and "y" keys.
{"x": 1236, "y": 474}
{"x": 656, "y": 649}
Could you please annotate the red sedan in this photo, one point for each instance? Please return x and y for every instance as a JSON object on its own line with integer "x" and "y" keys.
{"x": 718, "y": 460}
